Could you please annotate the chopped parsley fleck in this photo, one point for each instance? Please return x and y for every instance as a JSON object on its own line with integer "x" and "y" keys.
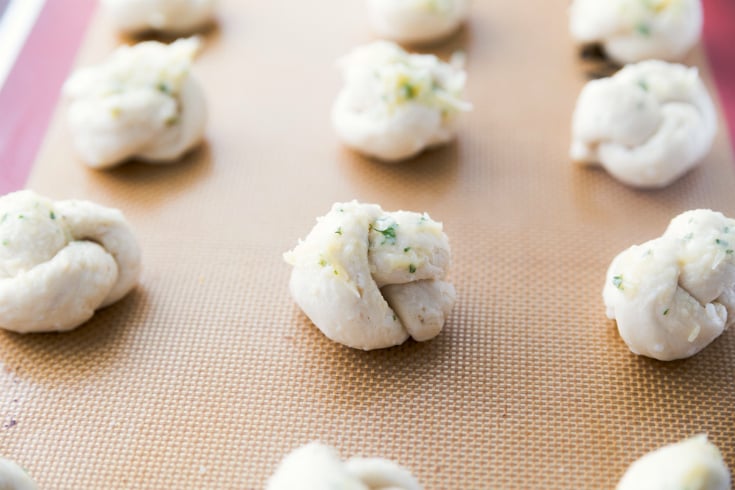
{"x": 163, "y": 87}
{"x": 643, "y": 29}
{"x": 726, "y": 229}
{"x": 688, "y": 236}
{"x": 407, "y": 249}
{"x": 642, "y": 84}
{"x": 411, "y": 268}
{"x": 408, "y": 91}
{"x": 389, "y": 234}
{"x": 394, "y": 317}
{"x": 617, "y": 281}
{"x": 336, "y": 272}
{"x": 20, "y": 216}
{"x": 666, "y": 311}
{"x": 728, "y": 251}
{"x": 322, "y": 262}
{"x": 339, "y": 231}
{"x": 172, "y": 120}
{"x": 51, "y": 215}
{"x": 721, "y": 242}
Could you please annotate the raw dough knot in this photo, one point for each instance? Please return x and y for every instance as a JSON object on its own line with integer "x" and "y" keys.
{"x": 318, "y": 467}
{"x": 170, "y": 16}
{"x": 143, "y": 102}
{"x": 674, "y": 295}
{"x": 60, "y": 261}
{"x": 369, "y": 279}
{"x": 636, "y": 30}
{"x": 416, "y": 21}
{"x": 646, "y": 125}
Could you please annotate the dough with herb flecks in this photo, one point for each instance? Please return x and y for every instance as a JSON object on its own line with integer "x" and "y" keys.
{"x": 371, "y": 279}
{"x": 143, "y": 103}
{"x": 394, "y": 104}
{"x": 60, "y": 261}
{"x": 637, "y": 30}
{"x": 672, "y": 296}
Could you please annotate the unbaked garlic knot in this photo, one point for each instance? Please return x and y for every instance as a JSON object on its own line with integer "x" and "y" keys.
{"x": 60, "y": 261}
{"x": 12, "y": 477}
{"x": 647, "y": 125}
{"x": 170, "y": 16}
{"x": 672, "y": 296}
{"x": 636, "y": 30}
{"x": 416, "y": 21}
{"x": 369, "y": 279}
{"x": 394, "y": 104}
{"x": 143, "y": 102}
{"x": 318, "y": 467}
{"x": 692, "y": 464}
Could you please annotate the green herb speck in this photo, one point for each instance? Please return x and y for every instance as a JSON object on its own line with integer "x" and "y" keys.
{"x": 5, "y": 243}
{"x": 726, "y": 229}
{"x": 666, "y": 311}
{"x": 721, "y": 242}
{"x": 688, "y": 236}
{"x": 322, "y": 262}
{"x": 408, "y": 91}
{"x": 51, "y": 215}
{"x": 339, "y": 231}
{"x": 617, "y": 281}
{"x": 642, "y": 84}
{"x": 163, "y": 87}
{"x": 643, "y": 29}
{"x": 728, "y": 251}
{"x": 411, "y": 268}
{"x": 5, "y": 216}
{"x": 20, "y": 216}
{"x": 407, "y": 249}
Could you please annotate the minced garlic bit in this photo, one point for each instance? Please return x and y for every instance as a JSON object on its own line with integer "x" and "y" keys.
{"x": 379, "y": 281}
{"x": 395, "y": 104}
{"x": 692, "y": 464}
{"x": 637, "y": 30}
{"x": 672, "y": 296}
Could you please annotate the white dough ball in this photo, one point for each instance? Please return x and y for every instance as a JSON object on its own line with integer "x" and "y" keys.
{"x": 170, "y": 16}
{"x": 369, "y": 279}
{"x": 672, "y": 296}
{"x": 692, "y": 464}
{"x": 394, "y": 104}
{"x": 416, "y": 21}
{"x": 637, "y": 30}
{"x": 143, "y": 102}
{"x": 318, "y": 467}
{"x": 12, "y": 477}
{"x": 646, "y": 125}
{"x": 61, "y": 261}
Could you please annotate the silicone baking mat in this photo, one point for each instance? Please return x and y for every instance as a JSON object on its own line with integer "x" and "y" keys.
{"x": 208, "y": 374}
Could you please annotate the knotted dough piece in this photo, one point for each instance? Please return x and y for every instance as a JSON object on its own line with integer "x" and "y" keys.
{"x": 416, "y": 21}
{"x": 370, "y": 279}
{"x": 143, "y": 102}
{"x": 395, "y": 104}
{"x": 170, "y": 16}
{"x": 318, "y": 467}
{"x": 637, "y": 30}
{"x": 60, "y": 261}
{"x": 672, "y": 296}
{"x": 12, "y": 477}
{"x": 646, "y": 125}
{"x": 692, "y": 464}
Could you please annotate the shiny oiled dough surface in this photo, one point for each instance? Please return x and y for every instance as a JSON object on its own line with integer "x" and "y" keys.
{"x": 208, "y": 374}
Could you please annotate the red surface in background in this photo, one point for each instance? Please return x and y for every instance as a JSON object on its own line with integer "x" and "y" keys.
{"x": 719, "y": 43}
{"x": 31, "y": 90}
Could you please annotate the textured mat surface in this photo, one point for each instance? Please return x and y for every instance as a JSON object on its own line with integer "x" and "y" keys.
{"x": 208, "y": 374}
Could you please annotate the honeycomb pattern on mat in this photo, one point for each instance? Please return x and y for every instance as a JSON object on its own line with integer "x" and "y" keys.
{"x": 208, "y": 373}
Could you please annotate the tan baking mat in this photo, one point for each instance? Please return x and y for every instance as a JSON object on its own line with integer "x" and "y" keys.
{"x": 208, "y": 373}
